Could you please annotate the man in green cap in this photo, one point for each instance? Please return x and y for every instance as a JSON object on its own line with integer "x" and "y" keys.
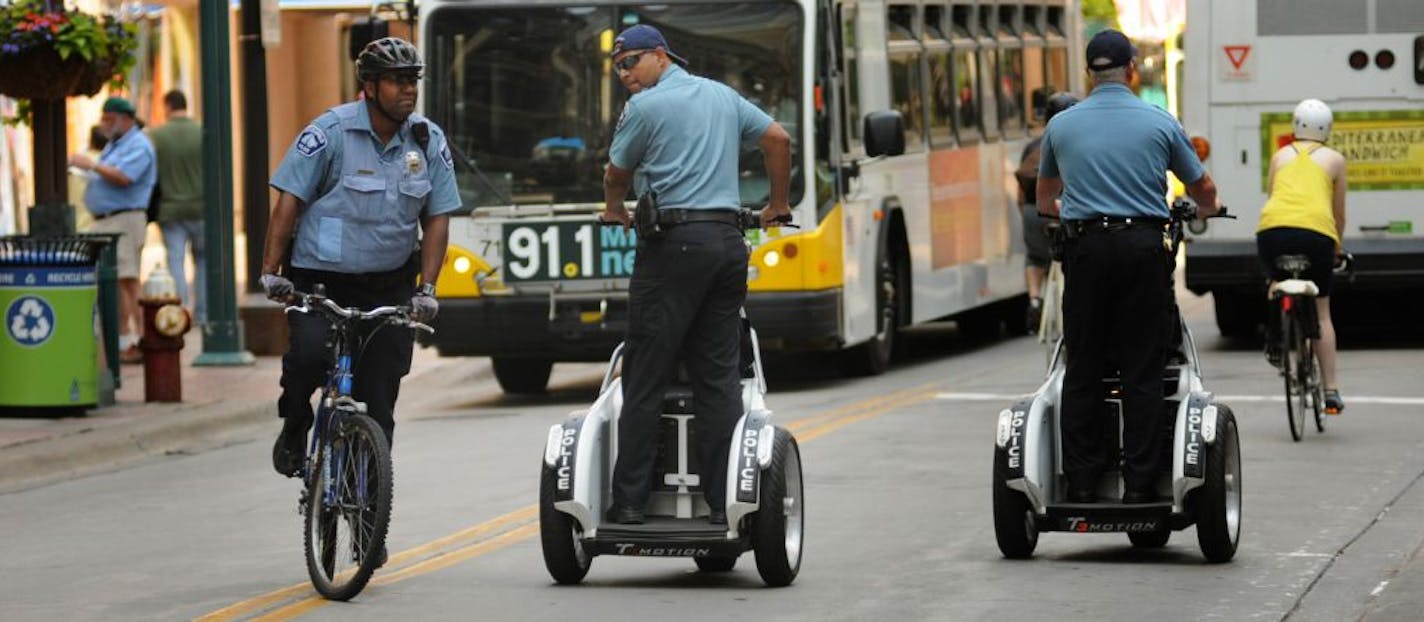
{"x": 117, "y": 197}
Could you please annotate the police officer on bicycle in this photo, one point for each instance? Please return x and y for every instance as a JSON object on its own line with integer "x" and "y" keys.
{"x": 366, "y": 192}
{"x": 1107, "y": 157}
{"x": 684, "y": 133}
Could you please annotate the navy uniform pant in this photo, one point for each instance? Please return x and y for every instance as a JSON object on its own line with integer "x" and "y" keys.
{"x": 684, "y": 304}
{"x": 378, "y": 366}
{"x": 1115, "y": 317}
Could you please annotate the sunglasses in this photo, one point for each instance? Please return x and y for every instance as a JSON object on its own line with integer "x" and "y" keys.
{"x": 403, "y": 79}
{"x": 629, "y": 62}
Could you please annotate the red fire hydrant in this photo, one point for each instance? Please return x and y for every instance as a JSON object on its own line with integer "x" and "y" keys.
{"x": 164, "y": 322}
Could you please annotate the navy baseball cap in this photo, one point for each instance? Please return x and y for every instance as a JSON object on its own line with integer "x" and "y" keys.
{"x": 643, "y": 37}
{"x": 1109, "y": 49}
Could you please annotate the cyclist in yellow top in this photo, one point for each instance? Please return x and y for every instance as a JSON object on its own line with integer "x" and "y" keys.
{"x": 1305, "y": 215}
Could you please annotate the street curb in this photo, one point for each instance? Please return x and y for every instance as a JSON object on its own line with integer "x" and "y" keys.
{"x": 186, "y": 428}
{"x": 98, "y": 450}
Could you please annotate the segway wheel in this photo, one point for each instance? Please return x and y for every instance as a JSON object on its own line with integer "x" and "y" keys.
{"x": 1218, "y": 501}
{"x": 560, "y": 535}
{"x": 1014, "y": 526}
{"x": 1149, "y": 539}
{"x": 778, "y": 528}
{"x": 715, "y": 563}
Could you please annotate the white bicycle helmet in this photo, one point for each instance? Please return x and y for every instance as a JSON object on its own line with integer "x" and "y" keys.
{"x": 1312, "y": 120}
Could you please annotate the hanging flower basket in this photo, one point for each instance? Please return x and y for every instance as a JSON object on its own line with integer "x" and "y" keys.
{"x": 39, "y": 74}
{"x": 49, "y": 53}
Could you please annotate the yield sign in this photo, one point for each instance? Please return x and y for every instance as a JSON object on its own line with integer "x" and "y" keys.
{"x": 1237, "y": 54}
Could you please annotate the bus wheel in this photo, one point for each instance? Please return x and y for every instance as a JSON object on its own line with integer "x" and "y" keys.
{"x": 872, "y": 357}
{"x": 522, "y": 375}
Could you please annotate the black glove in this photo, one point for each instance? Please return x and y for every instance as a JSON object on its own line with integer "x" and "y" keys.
{"x": 278, "y": 288}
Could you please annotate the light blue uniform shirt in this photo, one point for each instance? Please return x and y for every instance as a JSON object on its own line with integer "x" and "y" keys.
{"x": 361, "y": 200}
{"x": 1112, "y": 151}
{"x": 685, "y": 135}
{"x": 133, "y": 155}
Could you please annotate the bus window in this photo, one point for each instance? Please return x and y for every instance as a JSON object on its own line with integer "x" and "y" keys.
{"x": 965, "y": 75}
{"x": 1036, "y": 95}
{"x": 1010, "y": 76}
{"x": 988, "y": 64}
{"x": 850, "y": 121}
{"x": 906, "y": 96}
{"x": 1055, "y": 65}
{"x": 940, "y": 81}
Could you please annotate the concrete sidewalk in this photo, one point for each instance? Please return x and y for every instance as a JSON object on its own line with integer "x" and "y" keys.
{"x": 221, "y": 405}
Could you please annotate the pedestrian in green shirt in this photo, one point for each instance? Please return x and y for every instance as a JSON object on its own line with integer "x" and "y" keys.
{"x": 179, "y": 145}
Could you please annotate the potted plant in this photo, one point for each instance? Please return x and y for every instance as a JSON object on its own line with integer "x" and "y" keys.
{"x": 48, "y": 52}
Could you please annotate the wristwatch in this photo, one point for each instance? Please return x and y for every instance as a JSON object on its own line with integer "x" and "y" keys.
{"x": 426, "y": 289}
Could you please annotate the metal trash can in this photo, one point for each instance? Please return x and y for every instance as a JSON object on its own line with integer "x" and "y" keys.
{"x": 49, "y": 357}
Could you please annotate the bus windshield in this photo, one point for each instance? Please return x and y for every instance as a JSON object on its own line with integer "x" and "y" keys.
{"x": 529, "y": 99}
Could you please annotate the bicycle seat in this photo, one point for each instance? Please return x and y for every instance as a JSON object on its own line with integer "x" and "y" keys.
{"x": 1294, "y": 264}
{"x": 1294, "y": 287}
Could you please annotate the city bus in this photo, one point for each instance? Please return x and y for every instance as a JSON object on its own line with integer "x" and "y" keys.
{"x": 1247, "y": 65}
{"x": 888, "y": 237}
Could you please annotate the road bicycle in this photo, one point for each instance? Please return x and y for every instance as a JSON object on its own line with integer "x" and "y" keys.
{"x": 1293, "y": 351}
{"x": 347, "y": 476}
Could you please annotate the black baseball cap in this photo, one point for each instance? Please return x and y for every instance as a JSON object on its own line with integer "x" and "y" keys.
{"x": 1109, "y": 49}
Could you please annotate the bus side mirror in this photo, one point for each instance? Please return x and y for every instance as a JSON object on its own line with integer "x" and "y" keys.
{"x": 884, "y": 133}
{"x": 1419, "y": 59}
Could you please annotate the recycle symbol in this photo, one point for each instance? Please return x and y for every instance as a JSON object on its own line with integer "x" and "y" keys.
{"x": 30, "y": 321}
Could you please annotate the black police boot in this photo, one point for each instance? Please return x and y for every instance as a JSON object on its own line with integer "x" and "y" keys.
{"x": 290, "y": 449}
{"x": 624, "y": 515}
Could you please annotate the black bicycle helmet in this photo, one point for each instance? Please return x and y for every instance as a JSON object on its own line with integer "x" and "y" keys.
{"x": 386, "y": 56}
{"x": 1058, "y": 102}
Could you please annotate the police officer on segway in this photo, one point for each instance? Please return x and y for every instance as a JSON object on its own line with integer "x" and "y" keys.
{"x": 1107, "y": 157}
{"x": 366, "y": 190}
{"x": 684, "y": 133}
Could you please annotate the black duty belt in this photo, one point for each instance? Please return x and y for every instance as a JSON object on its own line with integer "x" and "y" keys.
{"x": 671, "y": 217}
{"x": 1109, "y": 224}
{"x": 121, "y": 211}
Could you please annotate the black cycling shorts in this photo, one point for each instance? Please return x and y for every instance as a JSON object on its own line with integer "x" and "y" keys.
{"x": 1318, "y": 248}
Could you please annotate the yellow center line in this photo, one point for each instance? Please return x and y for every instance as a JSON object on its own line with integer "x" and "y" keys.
{"x": 805, "y": 429}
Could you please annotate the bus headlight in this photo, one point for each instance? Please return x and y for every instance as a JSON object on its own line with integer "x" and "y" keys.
{"x": 771, "y": 258}
{"x": 463, "y": 265}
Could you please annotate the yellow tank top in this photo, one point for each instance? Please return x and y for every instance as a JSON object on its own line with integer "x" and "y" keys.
{"x": 1301, "y": 198}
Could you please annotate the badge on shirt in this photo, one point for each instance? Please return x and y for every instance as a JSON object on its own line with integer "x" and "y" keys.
{"x": 412, "y": 162}
{"x": 311, "y": 141}
{"x": 445, "y": 155}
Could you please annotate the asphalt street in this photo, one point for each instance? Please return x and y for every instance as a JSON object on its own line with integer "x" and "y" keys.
{"x": 899, "y": 524}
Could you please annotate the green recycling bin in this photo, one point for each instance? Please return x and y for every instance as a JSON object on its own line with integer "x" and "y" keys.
{"x": 49, "y": 342}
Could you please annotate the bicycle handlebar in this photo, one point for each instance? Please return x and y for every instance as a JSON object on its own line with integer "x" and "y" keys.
{"x": 397, "y": 315}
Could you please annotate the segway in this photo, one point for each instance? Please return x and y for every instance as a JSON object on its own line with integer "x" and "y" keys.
{"x": 764, "y": 494}
{"x": 1202, "y": 488}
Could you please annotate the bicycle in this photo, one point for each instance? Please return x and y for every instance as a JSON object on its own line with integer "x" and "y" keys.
{"x": 1293, "y": 306}
{"x": 347, "y": 478}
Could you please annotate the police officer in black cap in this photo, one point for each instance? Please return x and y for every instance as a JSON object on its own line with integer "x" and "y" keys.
{"x": 684, "y": 134}
{"x": 1107, "y": 158}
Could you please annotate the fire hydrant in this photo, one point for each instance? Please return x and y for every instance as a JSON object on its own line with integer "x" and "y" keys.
{"x": 164, "y": 322}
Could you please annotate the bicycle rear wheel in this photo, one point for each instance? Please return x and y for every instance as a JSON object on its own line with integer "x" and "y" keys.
{"x": 1311, "y": 387}
{"x": 1291, "y": 336}
{"x": 348, "y": 508}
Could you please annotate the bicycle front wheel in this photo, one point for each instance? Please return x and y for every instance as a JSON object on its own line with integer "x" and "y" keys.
{"x": 1291, "y": 353}
{"x": 348, "y": 508}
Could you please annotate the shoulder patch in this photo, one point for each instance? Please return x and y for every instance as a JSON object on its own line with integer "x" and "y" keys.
{"x": 311, "y": 141}
{"x": 445, "y": 154}
{"x": 622, "y": 116}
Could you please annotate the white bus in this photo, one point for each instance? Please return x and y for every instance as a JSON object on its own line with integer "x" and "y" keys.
{"x": 1248, "y": 64}
{"x": 529, "y": 98}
